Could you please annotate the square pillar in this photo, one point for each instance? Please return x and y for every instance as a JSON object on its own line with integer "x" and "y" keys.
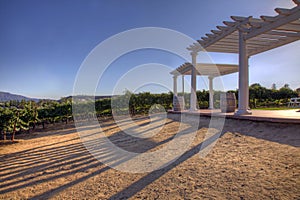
{"x": 193, "y": 99}
{"x": 183, "y": 85}
{"x": 243, "y": 77}
{"x": 211, "y": 93}
{"x": 175, "y": 85}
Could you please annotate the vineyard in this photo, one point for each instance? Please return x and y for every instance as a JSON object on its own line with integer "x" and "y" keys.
{"x": 25, "y": 116}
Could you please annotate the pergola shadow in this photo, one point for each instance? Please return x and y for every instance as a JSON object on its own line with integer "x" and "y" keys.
{"x": 73, "y": 158}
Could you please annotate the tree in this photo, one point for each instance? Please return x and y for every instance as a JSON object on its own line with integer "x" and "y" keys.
{"x": 286, "y": 86}
{"x": 17, "y": 123}
{"x": 255, "y": 93}
{"x": 274, "y": 86}
{"x": 6, "y": 116}
{"x": 286, "y": 92}
{"x": 30, "y": 114}
{"x": 298, "y": 91}
{"x": 66, "y": 111}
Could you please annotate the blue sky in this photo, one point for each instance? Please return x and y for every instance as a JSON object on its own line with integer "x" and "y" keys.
{"x": 43, "y": 43}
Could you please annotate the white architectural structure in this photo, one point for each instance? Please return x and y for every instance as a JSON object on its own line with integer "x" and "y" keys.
{"x": 201, "y": 69}
{"x": 248, "y": 36}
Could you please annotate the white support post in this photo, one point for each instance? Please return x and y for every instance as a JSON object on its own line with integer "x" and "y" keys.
{"x": 193, "y": 99}
{"x": 243, "y": 77}
{"x": 175, "y": 85}
{"x": 211, "y": 93}
{"x": 183, "y": 85}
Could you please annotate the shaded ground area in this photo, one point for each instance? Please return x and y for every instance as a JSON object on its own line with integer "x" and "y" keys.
{"x": 250, "y": 160}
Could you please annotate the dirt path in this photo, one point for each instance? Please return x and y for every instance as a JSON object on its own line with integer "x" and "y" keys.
{"x": 250, "y": 161}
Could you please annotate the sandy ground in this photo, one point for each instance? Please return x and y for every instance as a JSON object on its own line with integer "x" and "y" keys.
{"x": 251, "y": 160}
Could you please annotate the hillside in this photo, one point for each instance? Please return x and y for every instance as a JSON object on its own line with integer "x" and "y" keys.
{"x": 6, "y": 96}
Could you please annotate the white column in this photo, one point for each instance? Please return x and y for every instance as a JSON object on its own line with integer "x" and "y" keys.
{"x": 183, "y": 85}
{"x": 243, "y": 77}
{"x": 211, "y": 92}
{"x": 175, "y": 85}
{"x": 193, "y": 99}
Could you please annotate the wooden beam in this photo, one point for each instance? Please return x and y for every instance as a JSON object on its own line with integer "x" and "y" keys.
{"x": 216, "y": 31}
{"x": 268, "y": 18}
{"x": 224, "y": 34}
{"x": 225, "y": 46}
{"x": 243, "y": 28}
{"x": 256, "y": 24}
{"x": 222, "y": 49}
{"x": 281, "y": 33}
{"x": 272, "y": 46}
{"x": 255, "y": 20}
{"x": 281, "y": 20}
{"x": 223, "y": 28}
{"x": 192, "y": 48}
{"x": 235, "y": 46}
{"x": 225, "y": 42}
{"x": 266, "y": 36}
{"x": 231, "y": 30}
{"x": 290, "y": 27}
{"x": 297, "y": 22}
{"x": 238, "y": 18}
{"x": 263, "y": 41}
{"x": 258, "y": 42}
{"x": 196, "y": 44}
{"x": 201, "y": 42}
{"x": 231, "y": 24}
{"x": 210, "y": 35}
{"x": 283, "y": 11}
{"x": 185, "y": 69}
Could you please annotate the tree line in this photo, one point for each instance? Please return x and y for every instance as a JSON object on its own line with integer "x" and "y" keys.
{"x": 16, "y": 116}
{"x": 25, "y": 116}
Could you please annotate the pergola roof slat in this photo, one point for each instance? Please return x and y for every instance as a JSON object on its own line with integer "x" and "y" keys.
{"x": 283, "y": 11}
{"x": 273, "y": 45}
{"x": 216, "y": 31}
{"x": 238, "y": 18}
{"x": 281, "y": 20}
{"x": 266, "y": 36}
{"x": 268, "y": 18}
{"x": 264, "y": 32}
{"x": 289, "y": 27}
{"x": 281, "y": 33}
{"x": 223, "y": 47}
{"x": 229, "y": 23}
{"x": 222, "y": 28}
{"x": 206, "y": 69}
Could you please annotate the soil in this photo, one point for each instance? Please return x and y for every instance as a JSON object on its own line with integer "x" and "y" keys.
{"x": 250, "y": 160}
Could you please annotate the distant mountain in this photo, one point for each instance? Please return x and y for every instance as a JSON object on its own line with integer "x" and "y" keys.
{"x": 6, "y": 96}
{"x": 88, "y": 97}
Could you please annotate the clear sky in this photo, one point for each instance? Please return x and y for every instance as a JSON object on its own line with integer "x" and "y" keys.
{"x": 44, "y": 42}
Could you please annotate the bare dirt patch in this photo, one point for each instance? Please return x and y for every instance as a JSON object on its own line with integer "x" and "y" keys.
{"x": 250, "y": 161}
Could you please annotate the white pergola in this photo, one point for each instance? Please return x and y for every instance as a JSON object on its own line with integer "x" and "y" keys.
{"x": 203, "y": 69}
{"x": 247, "y": 36}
